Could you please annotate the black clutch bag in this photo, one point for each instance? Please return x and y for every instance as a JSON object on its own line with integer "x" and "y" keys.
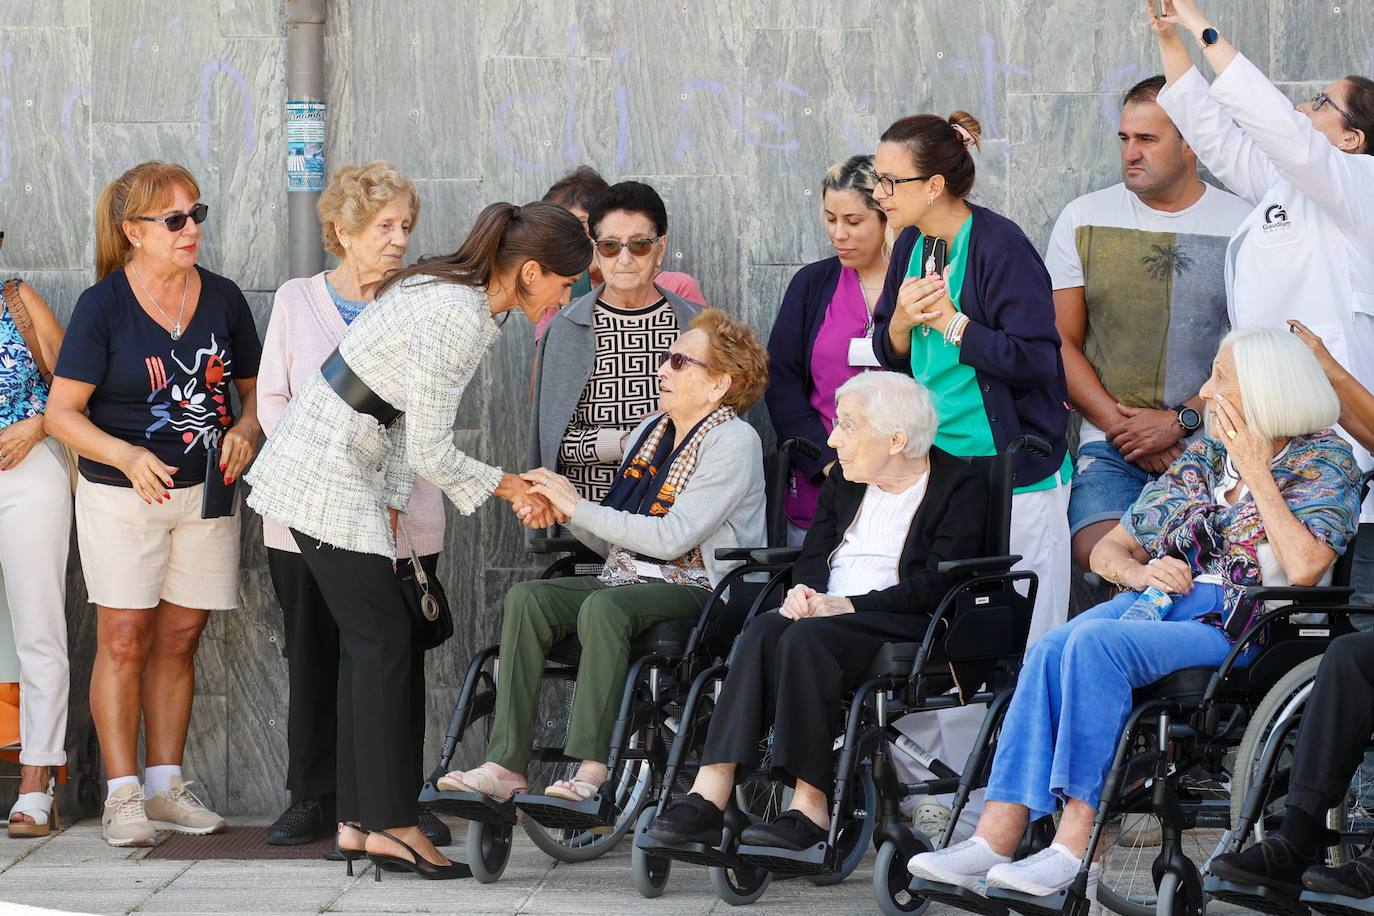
{"x": 431, "y": 622}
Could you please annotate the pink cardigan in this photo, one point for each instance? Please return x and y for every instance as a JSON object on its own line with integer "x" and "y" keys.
{"x": 304, "y": 329}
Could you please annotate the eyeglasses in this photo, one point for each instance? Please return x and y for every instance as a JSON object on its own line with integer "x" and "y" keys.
{"x": 177, "y": 221}
{"x": 1321, "y": 98}
{"x": 679, "y": 361}
{"x": 889, "y": 184}
{"x": 846, "y": 426}
{"x": 610, "y": 248}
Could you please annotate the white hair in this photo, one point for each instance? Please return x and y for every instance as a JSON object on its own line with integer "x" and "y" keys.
{"x": 894, "y": 403}
{"x": 1282, "y": 386}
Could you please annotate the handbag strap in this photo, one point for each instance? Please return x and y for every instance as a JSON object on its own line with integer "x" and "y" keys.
{"x": 20, "y": 313}
{"x": 421, "y": 577}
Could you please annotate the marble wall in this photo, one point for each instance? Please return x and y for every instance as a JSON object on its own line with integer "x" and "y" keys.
{"x": 733, "y": 110}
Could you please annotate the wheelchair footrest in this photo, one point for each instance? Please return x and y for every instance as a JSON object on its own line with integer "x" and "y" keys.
{"x": 472, "y": 806}
{"x": 562, "y": 814}
{"x": 958, "y": 897}
{"x": 1255, "y": 897}
{"x": 789, "y": 863}
{"x": 692, "y": 853}
{"x": 1338, "y": 904}
{"x": 1049, "y": 905}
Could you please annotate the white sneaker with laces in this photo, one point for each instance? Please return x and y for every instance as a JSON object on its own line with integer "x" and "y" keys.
{"x": 963, "y": 864}
{"x": 930, "y": 817}
{"x": 177, "y": 808}
{"x": 124, "y": 822}
{"x": 1047, "y": 872}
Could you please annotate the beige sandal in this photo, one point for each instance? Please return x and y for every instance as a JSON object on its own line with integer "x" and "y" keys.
{"x": 484, "y": 780}
{"x": 578, "y": 790}
{"x": 41, "y": 806}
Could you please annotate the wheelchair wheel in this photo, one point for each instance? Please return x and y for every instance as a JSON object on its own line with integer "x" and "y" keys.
{"x": 892, "y": 882}
{"x": 634, "y": 787}
{"x": 740, "y": 886}
{"x": 1178, "y": 897}
{"x": 857, "y": 830}
{"x": 488, "y": 850}
{"x": 650, "y": 871}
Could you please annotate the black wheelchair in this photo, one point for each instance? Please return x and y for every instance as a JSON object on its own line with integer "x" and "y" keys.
{"x": 974, "y": 645}
{"x": 663, "y": 660}
{"x": 1178, "y": 761}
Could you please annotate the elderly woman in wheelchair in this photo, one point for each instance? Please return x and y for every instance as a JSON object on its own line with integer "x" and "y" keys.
{"x": 892, "y": 510}
{"x": 691, "y": 483}
{"x": 1269, "y": 496}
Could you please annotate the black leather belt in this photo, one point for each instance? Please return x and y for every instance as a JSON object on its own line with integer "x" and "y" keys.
{"x": 354, "y": 390}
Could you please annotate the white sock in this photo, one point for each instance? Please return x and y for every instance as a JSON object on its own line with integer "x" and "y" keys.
{"x": 112, "y": 785}
{"x": 159, "y": 778}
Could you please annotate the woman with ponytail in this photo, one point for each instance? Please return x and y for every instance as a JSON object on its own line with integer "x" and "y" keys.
{"x": 343, "y": 460}
{"x": 141, "y": 393}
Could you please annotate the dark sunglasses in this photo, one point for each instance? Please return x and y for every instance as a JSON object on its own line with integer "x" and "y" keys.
{"x": 610, "y": 248}
{"x": 177, "y": 221}
{"x": 679, "y": 361}
{"x": 1321, "y": 98}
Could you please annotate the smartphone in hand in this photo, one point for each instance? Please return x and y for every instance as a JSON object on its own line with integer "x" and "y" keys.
{"x": 933, "y": 255}
{"x": 218, "y": 499}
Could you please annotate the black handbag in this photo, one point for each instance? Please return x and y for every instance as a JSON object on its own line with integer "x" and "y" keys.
{"x": 431, "y": 622}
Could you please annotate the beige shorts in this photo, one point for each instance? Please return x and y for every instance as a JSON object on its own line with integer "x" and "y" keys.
{"x": 135, "y": 555}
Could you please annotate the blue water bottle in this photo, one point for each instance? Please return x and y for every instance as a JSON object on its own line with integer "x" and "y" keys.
{"x": 1151, "y": 605}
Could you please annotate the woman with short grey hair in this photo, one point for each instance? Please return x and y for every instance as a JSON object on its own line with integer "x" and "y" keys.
{"x": 889, "y": 513}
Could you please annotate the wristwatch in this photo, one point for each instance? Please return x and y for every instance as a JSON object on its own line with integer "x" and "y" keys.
{"x": 1208, "y": 37}
{"x": 1189, "y": 419}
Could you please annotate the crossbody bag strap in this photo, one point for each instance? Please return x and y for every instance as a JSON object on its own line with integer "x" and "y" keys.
{"x": 20, "y": 313}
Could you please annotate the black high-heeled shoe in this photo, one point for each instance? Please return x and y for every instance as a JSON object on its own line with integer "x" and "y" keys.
{"x": 349, "y": 855}
{"x": 417, "y": 863}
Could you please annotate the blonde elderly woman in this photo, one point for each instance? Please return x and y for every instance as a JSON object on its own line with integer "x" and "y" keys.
{"x": 1270, "y": 496}
{"x": 691, "y": 482}
{"x": 888, "y": 513}
{"x": 142, "y": 395}
{"x": 366, "y": 215}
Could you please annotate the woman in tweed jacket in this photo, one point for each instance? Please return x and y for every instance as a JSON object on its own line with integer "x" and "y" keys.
{"x": 337, "y": 476}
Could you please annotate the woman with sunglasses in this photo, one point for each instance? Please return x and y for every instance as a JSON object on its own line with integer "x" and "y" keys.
{"x": 691, "y": 483}
{"x": 594, "y": 374}
{"x": 142, "y": 395}
{"x": 1307, "y": 249}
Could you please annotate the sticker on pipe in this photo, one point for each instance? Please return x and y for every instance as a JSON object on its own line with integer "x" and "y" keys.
{"x": 305, "y": 146}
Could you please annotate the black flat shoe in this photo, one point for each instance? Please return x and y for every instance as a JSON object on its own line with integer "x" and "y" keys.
{"x": 791, "y": 830}
{"x": 435, "y": 830}
{"x": 306, "y": 820}
{"x": 1353, "y": 879}
{"x": 688, "y": 819}
{"x": 416, "y": 863}
{"x": 1273, "y": 862}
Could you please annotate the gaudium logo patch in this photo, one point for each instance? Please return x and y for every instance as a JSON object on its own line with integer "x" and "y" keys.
{"x": 1276, "y": 219}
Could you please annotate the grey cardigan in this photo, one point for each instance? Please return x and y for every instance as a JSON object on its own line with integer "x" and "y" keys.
{"x": 562, "y": 367}
{"x": 720, "y": 505}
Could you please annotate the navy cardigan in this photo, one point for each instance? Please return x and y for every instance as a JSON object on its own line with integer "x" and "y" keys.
{"x": 789, "y": 361}
{"x": 1010, "y": 341}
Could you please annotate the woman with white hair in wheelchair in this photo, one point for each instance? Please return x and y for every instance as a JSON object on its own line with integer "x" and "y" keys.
{"x": 891, "y": 510}
{"x": 1269, "y": 496}
{"x": 691, "y": 482}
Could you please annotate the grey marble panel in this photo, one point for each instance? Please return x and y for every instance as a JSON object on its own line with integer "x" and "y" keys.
{"x": 212, "y": 657}
{"x": 246, "y": 134}
{"x": 45, "y": 12}
{"x": 766, "y": 285}
{"x": 681, "y": 72}
{"x": 45, "y": 191}
{"x": 993, "y": 175}
{"x": 808, "y": 14}
{"x": 151, "y": 57}
{"x": 1260, "y": 29}
{"x": 204, "y": 758}
{"x": 1062, "y": 49}
{"x": 704, "y": 232}
{"x": 59, "y": 288}
{"x": 257, "y": 695}
{"x": 447, "y": 211}
{"x": 547, "y": 28}
{"x": 338, "y": 88}
{"x": 118, "y": 147}
{"x": 256, "y": 18}
{"x": 439, "y": 703}
{"x": 1052, "y": 166}
{"x": 418, "y": 99}
{"x": 800, "y": 86}
{"x": 1320, "y": 41}
{"x": 544, "y": 115}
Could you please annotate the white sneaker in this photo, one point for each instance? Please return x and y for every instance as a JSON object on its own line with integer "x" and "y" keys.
{"x": 1047, "y": 872}
{"x": 930, "y": 817}
{"x": 124, "y": 822}
{"x": 963, "y": 864}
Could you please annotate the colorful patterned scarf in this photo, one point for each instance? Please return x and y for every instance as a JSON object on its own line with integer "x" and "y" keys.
{"x": 1178, "y": 515}
{"x": 648, "y": 484}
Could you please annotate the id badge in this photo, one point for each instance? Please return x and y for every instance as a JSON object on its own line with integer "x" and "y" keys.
{"x": 861, "y": 353}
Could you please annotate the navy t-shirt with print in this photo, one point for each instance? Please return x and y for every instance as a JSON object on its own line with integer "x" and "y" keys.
{"x": 168, "y": 396}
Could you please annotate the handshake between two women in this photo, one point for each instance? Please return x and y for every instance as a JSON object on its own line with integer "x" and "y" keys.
{"x": 539, "y": 497}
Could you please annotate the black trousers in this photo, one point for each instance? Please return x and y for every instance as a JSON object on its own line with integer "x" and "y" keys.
{"x": 793, "y": 675}
{"x": 312, "y": 665}
{"x": 380, "y": 695}
{"x": 1336, "y": 725}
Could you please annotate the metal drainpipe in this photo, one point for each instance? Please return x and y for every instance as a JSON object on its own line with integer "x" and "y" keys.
{"x": 305, "y": 133}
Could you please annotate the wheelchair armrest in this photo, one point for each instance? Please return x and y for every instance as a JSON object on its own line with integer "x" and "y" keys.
{"x": 1096, "y": 581}
{"x": 978, "y": 565}
{"x": 1317, "y": 594}
{"x": 734, "y": 553}
{"x": 562, "y": 544}
{"x": 775, "y": 556}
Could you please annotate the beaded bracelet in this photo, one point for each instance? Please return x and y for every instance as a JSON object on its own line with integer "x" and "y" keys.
{"x": 954, "y": 331}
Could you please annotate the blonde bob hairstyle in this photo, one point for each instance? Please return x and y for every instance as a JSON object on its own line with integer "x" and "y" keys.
{"x": 356, "y": 194}
{"x": 1282, "y": 386}
{"x": 894, "y": 403}
{"x": 735, "y": 351}
{"x": 143, "y": 189}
